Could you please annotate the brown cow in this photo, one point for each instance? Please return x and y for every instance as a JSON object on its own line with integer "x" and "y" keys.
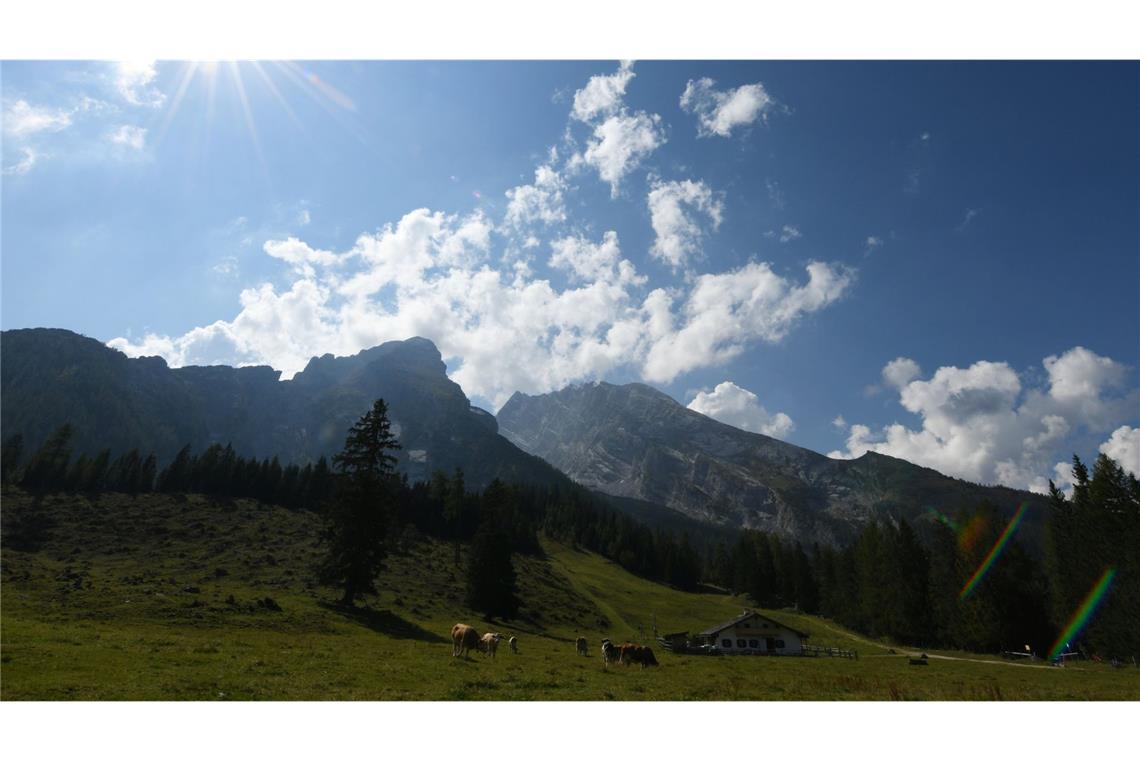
{"x": 637, "y": 654}
{"x": 464, "y": 638}
{"x": 580, "y": 646}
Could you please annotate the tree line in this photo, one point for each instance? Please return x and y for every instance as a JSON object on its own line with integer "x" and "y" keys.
{"x": 913, "y": 584}
{"x": 896, "y": 580}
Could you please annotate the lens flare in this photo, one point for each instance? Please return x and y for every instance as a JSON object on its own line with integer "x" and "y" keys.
{"x": 997, "y": 549}
{"x": 969, "y": 533}
{"x": 942, "y": 519}
{"x": 1084, "y": 612}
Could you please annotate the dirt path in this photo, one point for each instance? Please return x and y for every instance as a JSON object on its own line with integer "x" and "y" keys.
{"x": 908, "y": 653}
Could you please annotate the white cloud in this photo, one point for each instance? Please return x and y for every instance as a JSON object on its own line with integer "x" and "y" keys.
{"x": 501, "y": 327}
{"x": 1079, "y": 373}
{"x": 1124, "y": 447}
{"x": 226, "y": 267}
{"x": 24, "y": 165}
{"x": 589, "y": 262}
{"x": 678, "y": 232}
{"x": 720, "y": 112}
{"x": 538, "y": 202}
{"x": 134, "y": 80}
{"x": 724, "y": 312}
{"x": 602, "y": 95}
{"x": 733, "y": 405}
{"x": 899, "y": 372}
{"x": 839, "y": 422}
{"x": 22, "y": 119}
{"x": 129, "y": 136}
{"x": 303, "y": 217}
{"x": 619, "y": 145}
{"x": 981, "y": 424}
{"x": 873, "y": 243}
{"x": 620, "y": 140}
{"x": 300, "y": 255}
{"x": 789, "y": 233}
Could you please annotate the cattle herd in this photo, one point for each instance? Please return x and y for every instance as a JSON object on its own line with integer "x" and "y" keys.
{"x": 465, "y": 638}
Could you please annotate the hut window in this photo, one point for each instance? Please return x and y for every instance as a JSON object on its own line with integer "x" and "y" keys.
{"x": 726, "y": 643}
{"x": 741, "y": 643}
{"x": 753, "y": 644}
{"x": 779, "y": 643}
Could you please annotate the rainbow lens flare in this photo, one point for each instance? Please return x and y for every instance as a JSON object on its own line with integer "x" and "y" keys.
{"x": 942, "y": 519}
{"x": 997, "y": 549}
{"x": 1084, "y": 612}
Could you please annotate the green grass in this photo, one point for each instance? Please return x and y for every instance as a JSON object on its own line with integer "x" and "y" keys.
{"x": 156, "y": 597}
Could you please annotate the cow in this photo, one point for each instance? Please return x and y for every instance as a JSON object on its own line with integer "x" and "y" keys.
{"x": 464, "y": 638}
{"x": 514, "y": 644}
{"x": 489, "y": 644}
{"x": 636, "y": 654}
{"x": 580, "y": 646}
{"x": 610, "y": 653}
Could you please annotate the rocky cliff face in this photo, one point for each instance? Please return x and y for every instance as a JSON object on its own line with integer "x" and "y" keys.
{"x": 54, "y": 376}
{"x": 636, "y": 442}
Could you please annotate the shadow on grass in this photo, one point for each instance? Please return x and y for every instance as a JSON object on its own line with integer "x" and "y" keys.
{"x": 385, "y": 622}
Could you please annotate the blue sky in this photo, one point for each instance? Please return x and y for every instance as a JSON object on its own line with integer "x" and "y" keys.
{"x": 935, "y": 260}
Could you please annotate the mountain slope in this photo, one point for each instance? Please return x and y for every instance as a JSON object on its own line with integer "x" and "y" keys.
{"x": 50, "y": 377}
{"x": 635, "y": 442}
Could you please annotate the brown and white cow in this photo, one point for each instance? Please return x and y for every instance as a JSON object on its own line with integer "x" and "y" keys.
{"x": 464, "y": 638}
{"x": 489, "y": 644}
{"x": 580, "y": 646}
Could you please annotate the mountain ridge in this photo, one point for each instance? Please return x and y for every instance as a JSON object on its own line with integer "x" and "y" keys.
{"x": 633, "y": 441}
{"x": 51, "y": 376}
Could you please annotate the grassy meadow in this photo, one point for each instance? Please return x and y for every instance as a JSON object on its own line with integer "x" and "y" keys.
{"x": 190, "y": 598}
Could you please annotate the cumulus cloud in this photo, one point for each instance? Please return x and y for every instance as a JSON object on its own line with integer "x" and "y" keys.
{"x": 501, "y": 327}
{"x": 129, "y": 136}
{"x": 589, "y": 262}
{"x": 720, "y": 112}
{"x": 736, "y": 406}
{"x": 1124, "y": 447}
{"x": 134, "y": 81}
{"x": 899, "y": 372}
{"x": 678, "y": 230}
{"x": 724, "y": 312}
{"x": 22, "y": 119}
{"x": 602, "y": 95}
{"x": 839, "y": 422}
{"x": 621, "y": 139}
{"x": 619, "y": 145}
{"x": 541, "y": 201}
{"x": 981, "y": 424}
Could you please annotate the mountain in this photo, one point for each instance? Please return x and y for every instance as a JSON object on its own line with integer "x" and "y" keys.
{"x": 50, "y": 376}
{"x": 635, "y": 442}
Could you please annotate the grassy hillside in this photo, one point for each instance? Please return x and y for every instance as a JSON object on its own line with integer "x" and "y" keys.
{"x": 158, "y": 597}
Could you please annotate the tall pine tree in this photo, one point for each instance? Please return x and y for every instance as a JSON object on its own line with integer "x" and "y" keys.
{"x": 358, "y": 515}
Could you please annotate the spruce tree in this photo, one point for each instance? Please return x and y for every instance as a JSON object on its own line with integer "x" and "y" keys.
{"x": 491, "y": 583}
{"x": 356, "y": 521}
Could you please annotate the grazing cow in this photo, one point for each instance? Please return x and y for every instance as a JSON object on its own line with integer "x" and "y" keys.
{"x": 580, "y": 646}
{"x": 489, "y": 644}
{"x": 514, "y": 644}
{"x": 610, "y": 653}
{"x": 637, "y": 654}
{"x": 464, "y": 638}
